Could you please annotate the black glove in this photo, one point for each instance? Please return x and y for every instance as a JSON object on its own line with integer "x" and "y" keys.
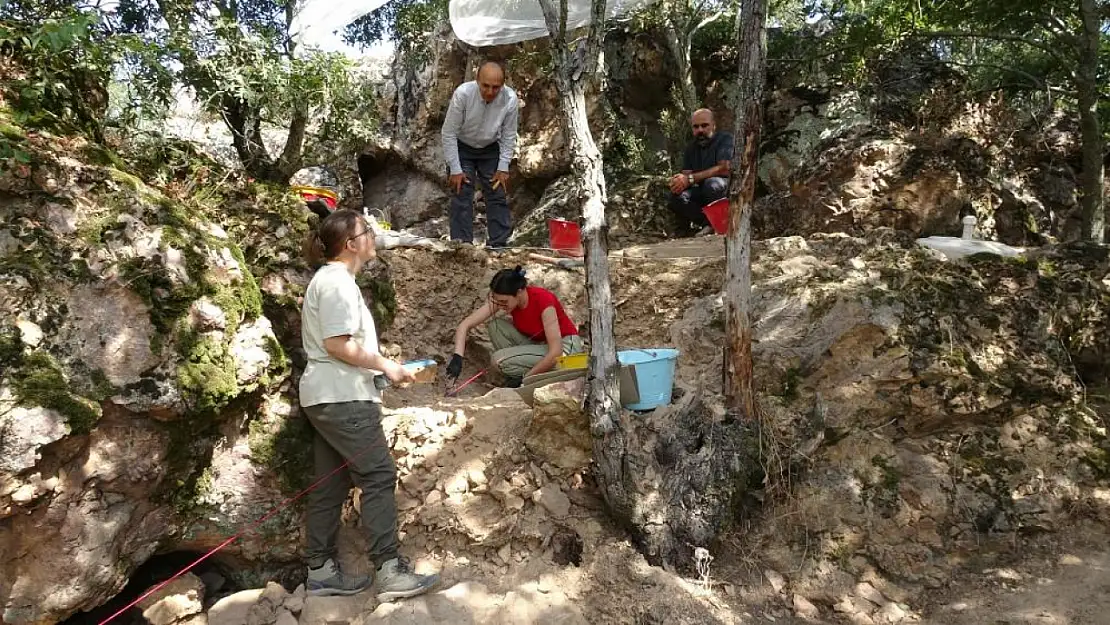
{"x": 454, "y": 368}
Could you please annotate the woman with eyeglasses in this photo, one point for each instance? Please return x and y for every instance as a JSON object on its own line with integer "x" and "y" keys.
{"x": 338, "y": 394}
{"x": 530, "y": 340}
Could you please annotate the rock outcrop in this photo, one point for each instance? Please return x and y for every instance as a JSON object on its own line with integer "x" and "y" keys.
{"x": 912, "y": 406}
{"x": 130, "y": 324}
{"x": 914, "y": 158}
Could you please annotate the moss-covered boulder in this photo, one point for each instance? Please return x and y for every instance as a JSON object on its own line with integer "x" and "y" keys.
{"x": 131, "y": 326}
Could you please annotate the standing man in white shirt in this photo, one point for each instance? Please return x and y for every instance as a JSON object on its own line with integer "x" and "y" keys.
{"x": 479, "y": 137}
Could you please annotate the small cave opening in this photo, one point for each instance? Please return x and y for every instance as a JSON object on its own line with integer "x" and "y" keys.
{"x": 218, "y": 578}
{"x": 369, "y": 166}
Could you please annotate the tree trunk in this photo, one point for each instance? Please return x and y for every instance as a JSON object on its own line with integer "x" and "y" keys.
{"x": 678, "y": 43}
{"x": 673, "y": 477}
{"x": 572, "y": 70}
{"x": 752, "y": 43}
{"x": 1093, "y": 202}
{"x": 292, "y": 156}
{"x": 245, "y": 123}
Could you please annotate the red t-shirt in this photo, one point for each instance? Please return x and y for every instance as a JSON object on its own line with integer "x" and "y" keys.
{"x": 529, "y": 322}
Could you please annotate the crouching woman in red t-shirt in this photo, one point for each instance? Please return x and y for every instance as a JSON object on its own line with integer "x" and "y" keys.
{"x": 532, "y": 341}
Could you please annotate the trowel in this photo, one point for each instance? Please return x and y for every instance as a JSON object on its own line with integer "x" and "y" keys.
{"x": 423, "y": 370}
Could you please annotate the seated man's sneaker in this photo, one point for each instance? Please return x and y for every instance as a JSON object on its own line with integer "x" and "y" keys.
{"x": 396, "y": 580}
{"x": 328, "y": 581}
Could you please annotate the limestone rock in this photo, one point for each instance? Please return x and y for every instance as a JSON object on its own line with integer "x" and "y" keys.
{"x": 110, "y": 329}
{"x": 175, "y": 602}
{"x": 559, "y": 431}
{"x": 235, "y": 493}
{"x": 83, "y": 534}
{"x": 552, "y": 498}
{"x": 803, "y": 608}
{"x": 336, "y": 610}
{"x": 867, "y": 591}
{"x": 205, "y": 316}
{"x": 891, "y": 613}
{"x": 285, "y": 617}
{"x": 37, "y": 427}
{"x": 467, "y": 602}
{"x": 233, "y": 609}
{"x": 29, "y": 333}
{"x": 265, "y": 610}
{"x": 295, "y": 601}
{"x": 777, "y": 581}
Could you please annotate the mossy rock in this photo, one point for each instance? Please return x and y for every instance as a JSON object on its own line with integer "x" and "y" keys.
{"x": 381, "y": 300}
{"x": 39, "y": 380}
{"x": 285, "y": 448}
{"x": 207, "y": 373}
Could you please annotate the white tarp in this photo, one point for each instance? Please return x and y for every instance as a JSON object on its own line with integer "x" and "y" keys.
{"x": 955, "y": 248}
{"x": 476, "y": 22}
{"x": 498, "y": 22}
{"x": 317, "y": 20}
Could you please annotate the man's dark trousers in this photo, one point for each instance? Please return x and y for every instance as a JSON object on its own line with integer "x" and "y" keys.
{"x": 688, "y": 204}
{"x": 479, "y": 165}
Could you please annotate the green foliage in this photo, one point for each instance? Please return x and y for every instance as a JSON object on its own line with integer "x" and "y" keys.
{"x": 993, "y": 43}
{"x": 237, "y": 58}
{"x": 13, "y": 148}
{"x": 61, "y": 62}
{"x": 409, "y": 23}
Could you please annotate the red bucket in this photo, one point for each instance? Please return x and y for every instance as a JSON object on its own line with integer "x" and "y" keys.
{"x": 717, "y": 214}
{"x": 565, "y": 237}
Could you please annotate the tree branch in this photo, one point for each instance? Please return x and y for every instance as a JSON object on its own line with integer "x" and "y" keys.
{"x": 292, "y": 154}
{"x": 556, "y": 25}
{"x": 1038, "y": 83}
{"x": 1059, "y": 29}
{"x": 1033, "y": 43}
{"x": 706, "y": 22}
{"x": 594, "y": 38}
{"x": 563, "y": 22}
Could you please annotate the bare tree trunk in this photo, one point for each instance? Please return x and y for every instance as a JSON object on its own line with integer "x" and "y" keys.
{"x": 573, "y": 68}
{"x": 1093, "y": 202}
{"x": 752, "y": 44}
{"x": 678, "y": 43}
{"x": 674, "y": 477}
{"x": 245, "y": 122}
{"x": 292, "y": 156}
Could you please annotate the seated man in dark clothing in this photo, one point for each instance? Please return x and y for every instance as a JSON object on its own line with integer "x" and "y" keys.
{"x": 705, "y": 169}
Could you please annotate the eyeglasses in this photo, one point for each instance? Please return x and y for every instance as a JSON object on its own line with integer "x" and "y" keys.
{"x": 496, "y": 304}
{"x": 362, "y": 234}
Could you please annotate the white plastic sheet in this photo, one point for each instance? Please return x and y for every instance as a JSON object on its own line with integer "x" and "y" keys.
{"x": 499, "y": 22}
{"x": 955, "y": 248}
{"x": 476, "y": 22}
{"x": 317, "y": 20}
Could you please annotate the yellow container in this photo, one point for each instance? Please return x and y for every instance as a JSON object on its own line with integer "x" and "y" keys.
{"x": 573, "y": 361}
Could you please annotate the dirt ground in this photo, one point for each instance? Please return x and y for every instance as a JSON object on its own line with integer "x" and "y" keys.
{"x": 506, "y": 560}
{"x": 518, "y": 540}
{"x": 1058, "y": 580}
